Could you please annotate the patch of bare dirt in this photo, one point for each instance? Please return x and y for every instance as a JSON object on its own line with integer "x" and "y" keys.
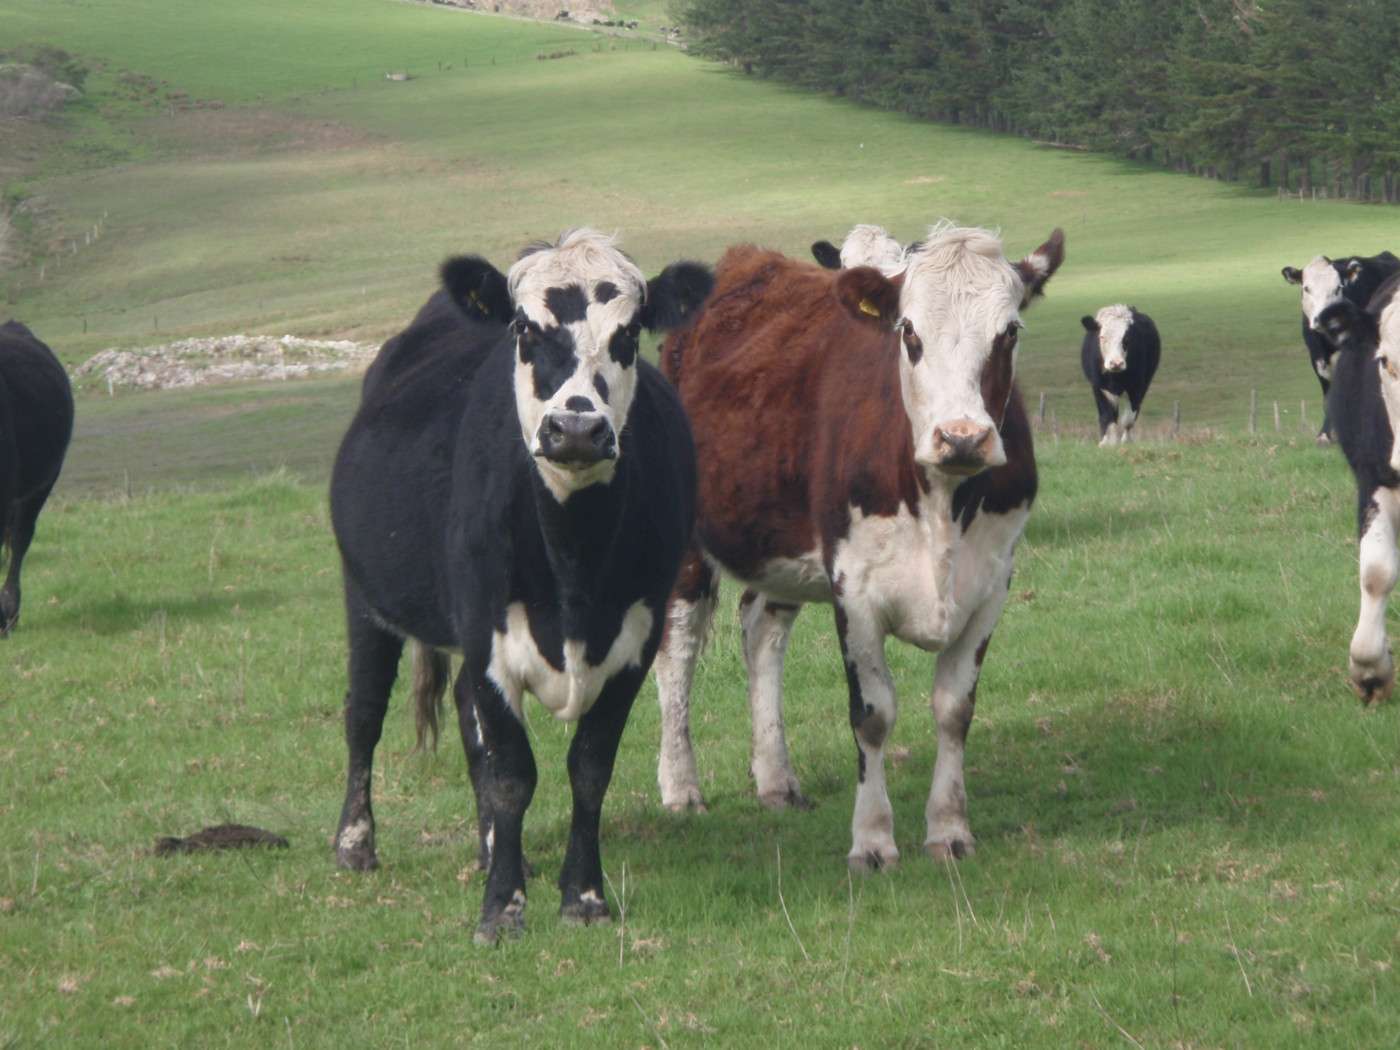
{"x": 224, "y": 359}
{"x": 246, "y": 130}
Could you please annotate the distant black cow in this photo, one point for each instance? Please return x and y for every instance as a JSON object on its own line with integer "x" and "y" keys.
{"x": 1120, "y": 355}
{"x": 36, "y": 423}
{"x": 1364, "y": 403}
{"x": 1324, "y": 282}
{"x": 517, "y": 486}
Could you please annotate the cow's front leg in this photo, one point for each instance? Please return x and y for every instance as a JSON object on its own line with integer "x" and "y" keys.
{"x": 767, "y": 625}
{"x": 1370, "y": 665}
{"x": 688, "y": 616}
{"x": 591, "y": 758}
{"x": 1107, "y": 405}
{"x": 504, "y": 788}
{"x": 954, "y": 698}
{"x": 872, "y": 718}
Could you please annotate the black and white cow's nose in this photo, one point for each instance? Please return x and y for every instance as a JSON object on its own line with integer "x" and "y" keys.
{"x": 1115, "y": 366}
{"x": 576, "y": 438}
{"x": 962, "y": 446}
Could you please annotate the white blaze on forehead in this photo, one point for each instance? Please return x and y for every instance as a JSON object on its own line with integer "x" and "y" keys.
{"x": 1388, "y": 360}
{"x": 959, "y": 294}
{"x": 1114, "y": 322}
{"x": 1322, "y": 286}
{"x": 868, "y": 245}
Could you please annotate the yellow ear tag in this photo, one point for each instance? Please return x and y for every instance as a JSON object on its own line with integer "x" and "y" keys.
{"x": 868, "y": 308}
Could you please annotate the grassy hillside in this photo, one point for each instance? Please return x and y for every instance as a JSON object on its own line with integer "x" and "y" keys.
{"x": 1186, "y": 825}
{"x": 320, "y": 198}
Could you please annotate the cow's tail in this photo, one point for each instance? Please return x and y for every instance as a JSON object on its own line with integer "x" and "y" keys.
{"x": 430, "y": 674}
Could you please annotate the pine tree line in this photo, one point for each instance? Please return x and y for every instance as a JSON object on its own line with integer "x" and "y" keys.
{"x": 1299, "y": 94}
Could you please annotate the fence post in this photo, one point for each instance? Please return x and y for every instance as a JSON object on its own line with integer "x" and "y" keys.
{"x": 1278, "y": 425}
{"x": 1042, "y": 408}
{"x": 1253, "y": 411}
{"x": 1303, "y": 414}
{"x": 1176, "y": 420}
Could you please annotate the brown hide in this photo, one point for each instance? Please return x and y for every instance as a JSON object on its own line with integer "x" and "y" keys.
{"x": 797, "y": 414}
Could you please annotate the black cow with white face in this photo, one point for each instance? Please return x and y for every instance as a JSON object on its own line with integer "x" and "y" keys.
{"x": 1325, "y": 281}
{"x": 1120, "y": 354}
{"x": 518, "y": 486}
{"x": 1364, "y": 404}
{"x": 36, "y": 423}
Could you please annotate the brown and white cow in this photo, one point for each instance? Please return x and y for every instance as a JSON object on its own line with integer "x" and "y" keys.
{"x": 861, "y": 441}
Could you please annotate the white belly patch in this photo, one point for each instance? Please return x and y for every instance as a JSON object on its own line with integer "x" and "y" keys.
{"x": 518, "y": 666}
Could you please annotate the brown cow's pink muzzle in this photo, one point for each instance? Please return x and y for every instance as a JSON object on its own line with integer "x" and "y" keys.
{"x": 963, "y": 447}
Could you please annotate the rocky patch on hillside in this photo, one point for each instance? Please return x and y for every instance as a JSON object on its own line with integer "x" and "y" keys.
{"x": 224, "y": 359}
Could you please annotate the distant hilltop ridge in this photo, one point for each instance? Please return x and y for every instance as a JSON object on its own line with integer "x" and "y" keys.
{"x": 583, "y": 11}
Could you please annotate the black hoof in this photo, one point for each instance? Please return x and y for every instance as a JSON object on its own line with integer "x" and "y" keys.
{"x": 357, "y": 858}
{"x": 509, "y": 922}
{"x": 588, "y": 909}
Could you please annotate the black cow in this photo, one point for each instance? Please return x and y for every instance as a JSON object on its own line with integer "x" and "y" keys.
{"x": 1354, "y": 278}
{"x": 36, "y": 423}
{"x": 517, "y": 486}
{"x": 1364, "y": 404}
{"x": 1119, "y": 356}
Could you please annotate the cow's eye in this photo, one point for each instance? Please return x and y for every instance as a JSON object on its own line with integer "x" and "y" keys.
{"x": 634, "y": 330}
{"x": 913, "y": 345}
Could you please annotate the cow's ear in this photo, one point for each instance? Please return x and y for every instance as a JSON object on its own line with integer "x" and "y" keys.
{"x": 868, "y": 295}
{"x": 1346, "y": 326}
{"x": 1293, "y": 275}
{"x": 674, "y": 294}
{"x": 1090, "y": 325}
{"x": 1354, "y": 268}
{"x": 1040, "y": 265}
{"x": 478, "y": 289}
{"x": 827, "y": 255}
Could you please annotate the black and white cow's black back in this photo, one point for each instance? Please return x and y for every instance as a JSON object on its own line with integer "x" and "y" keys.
{"x": 1325, "y": 281}
{"x": 1364, "y": 405}
{"x": 1120, "y": 354}
{"x": 517, "y": 486}
{"x": 36, "y": 423}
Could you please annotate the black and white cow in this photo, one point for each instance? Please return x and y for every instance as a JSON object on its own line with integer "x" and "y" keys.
{"x": 1365, "y": 409}
{"x": 517, "y": 486}
{"x": 1354, "y": 278}
{"x": 1119, "y": 356}
{"x": 36, "y": 423}
{"x": 866, "y": 245}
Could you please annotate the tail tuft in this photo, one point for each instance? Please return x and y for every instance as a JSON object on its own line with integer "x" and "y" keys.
{"x": 430, "y": 673}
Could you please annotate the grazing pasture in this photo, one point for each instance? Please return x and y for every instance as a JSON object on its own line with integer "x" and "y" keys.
{"x": 1187, "y": 827}
{"x": 1186, "y": 823}
{"x": 321, "y": 197}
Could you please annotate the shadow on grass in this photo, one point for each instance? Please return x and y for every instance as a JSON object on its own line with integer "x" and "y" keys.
{"x": 121, "y": 613}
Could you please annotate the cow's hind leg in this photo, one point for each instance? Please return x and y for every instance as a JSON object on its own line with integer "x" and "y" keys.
{"x": 767, "y": 625}
{"x": 24, "y": 515}
{"x": 1371, "y": 668}
{"x": 954, "y": 698}
{"x": 591, "y": 758}
{"x": 504, "y": 785}
{"x": 373, "y": 665}
{"x": 688, "y": 617}
{"x": 872, "y": 719}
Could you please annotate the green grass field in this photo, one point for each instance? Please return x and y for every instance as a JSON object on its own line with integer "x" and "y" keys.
{"x": 1187, "y": 826}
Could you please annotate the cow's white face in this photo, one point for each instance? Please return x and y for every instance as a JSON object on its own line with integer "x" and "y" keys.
{"x": 1114, "y": 322}
{"x": 959, "y": 309}
{"x": 577, "y": 325}
{"x": 868, "y": 245}
{"x": 1321, "y": 285}
{"x": 1388, "y": 361}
